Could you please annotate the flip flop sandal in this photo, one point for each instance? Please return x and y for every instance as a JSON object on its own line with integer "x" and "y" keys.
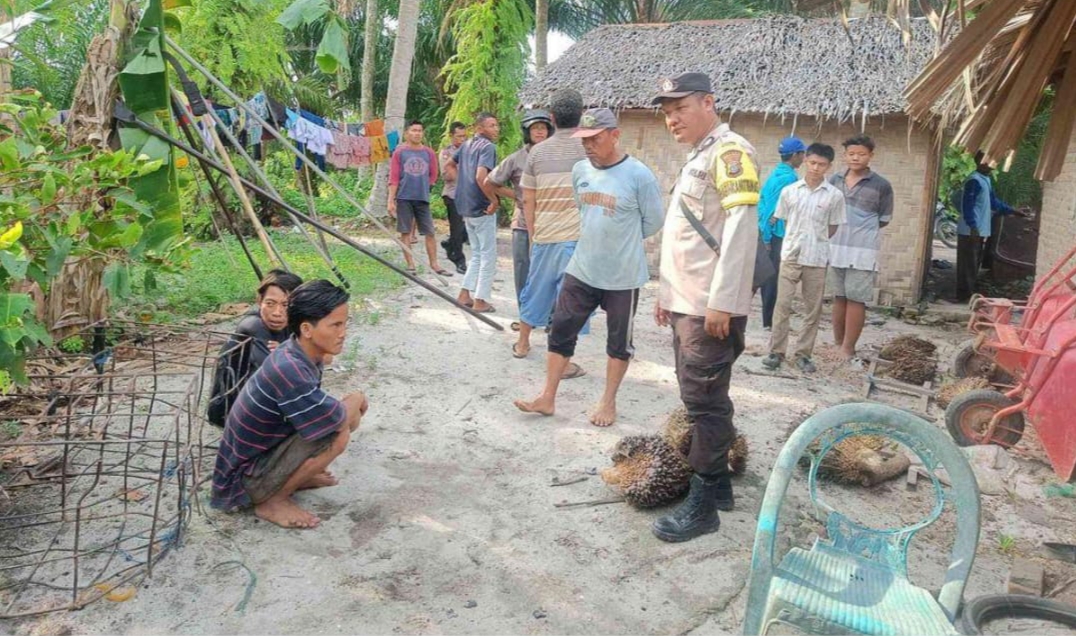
{"x": 516, "y": 354}
{"x": 412, "y": 271}
{"x": 488, "y": 310}
{"x": 444, "y": 272}
{"x": 573, "y": 371}
{"x": 515, "y": 325}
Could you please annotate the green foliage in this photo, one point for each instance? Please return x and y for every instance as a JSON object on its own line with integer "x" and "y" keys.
{"x": 73, "y": 344}
{"x": 201, "y": 288}
{"x": 238, "y": 40}
{"x": 57, "y": 204}
{"x": 332, "y": 52}
{"x": 957, "y": 165}
{"x": 50, "y": 55}
{"x": 490, "y": 65}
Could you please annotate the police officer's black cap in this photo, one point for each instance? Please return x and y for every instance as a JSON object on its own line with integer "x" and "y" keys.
{"x": 683, "y": 85}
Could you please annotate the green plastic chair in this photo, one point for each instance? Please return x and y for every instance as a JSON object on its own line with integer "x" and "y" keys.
{"x": 856, "y": 580}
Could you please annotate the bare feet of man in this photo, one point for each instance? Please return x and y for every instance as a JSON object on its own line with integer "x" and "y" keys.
{"x": 603, "y": 414}
{"x": 324, "y": 479}
{"x": 285, "y": 513}
{"x": 542, "y": 406}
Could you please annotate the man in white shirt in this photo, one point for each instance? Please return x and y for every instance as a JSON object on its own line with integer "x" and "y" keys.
{"x": 813, "y": 210}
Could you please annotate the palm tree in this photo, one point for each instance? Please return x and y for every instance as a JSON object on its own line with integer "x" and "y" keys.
{"x": 541, "y": 33}
{"x": 369, "y": 59}
{"x": 403, "y": 53}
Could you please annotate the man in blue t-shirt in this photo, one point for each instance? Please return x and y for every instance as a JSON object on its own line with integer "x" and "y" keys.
{"x": 792, "y": 152}
{"x": 477, "y": 203}
{"x": 620, "y": 203}
{"x": 412, "y": 173}
{"x": 977, "y": 208}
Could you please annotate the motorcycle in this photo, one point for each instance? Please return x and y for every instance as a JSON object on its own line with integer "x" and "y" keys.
{"x": 944, "y": 225}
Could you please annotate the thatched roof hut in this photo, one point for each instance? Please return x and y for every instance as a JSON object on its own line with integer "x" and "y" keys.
{"x": 775, "y": 77}
{"x": 781, "y": 66}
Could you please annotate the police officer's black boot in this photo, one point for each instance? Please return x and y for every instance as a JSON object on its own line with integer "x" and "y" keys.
{"x": 725, "y": 500}
{"x": 695, "y": 517}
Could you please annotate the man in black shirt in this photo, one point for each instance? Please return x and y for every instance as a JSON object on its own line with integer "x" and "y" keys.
{"x": 259, "y": 332}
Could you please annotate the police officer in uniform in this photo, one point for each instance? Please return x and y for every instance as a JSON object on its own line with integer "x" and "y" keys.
{"x": 707, "y": 264}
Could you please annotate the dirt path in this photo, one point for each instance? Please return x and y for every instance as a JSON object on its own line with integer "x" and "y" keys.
{"x": 444, "y": 519}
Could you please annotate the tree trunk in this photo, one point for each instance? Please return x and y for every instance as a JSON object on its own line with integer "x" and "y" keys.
{"x": 541, "y": 33}
{"x": 5, "y": 59}
{"x": 403, "y": 53}
{"x": 77, "y": 297}
{"x": 369, "y": 60}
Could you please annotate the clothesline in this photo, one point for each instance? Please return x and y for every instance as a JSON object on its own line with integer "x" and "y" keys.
{"x": 342, "y": 145}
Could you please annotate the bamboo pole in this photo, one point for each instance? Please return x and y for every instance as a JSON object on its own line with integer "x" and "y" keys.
{"x": 323, "y": 249}
{"x": 324, "y": 228}
{"x": 287, "y": 144}
{"x": 233, "y": 178}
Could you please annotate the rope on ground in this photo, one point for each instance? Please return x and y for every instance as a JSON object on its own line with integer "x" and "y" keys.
{"x": 241, "y": 606}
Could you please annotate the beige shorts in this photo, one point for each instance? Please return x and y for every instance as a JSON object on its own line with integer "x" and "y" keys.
{"x": 857, "y": 285}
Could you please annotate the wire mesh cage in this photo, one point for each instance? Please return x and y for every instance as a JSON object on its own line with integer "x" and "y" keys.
{"x": 101, "y": 477}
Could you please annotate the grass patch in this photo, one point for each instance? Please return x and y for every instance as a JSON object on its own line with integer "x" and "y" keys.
{"x": 218, "y": 273}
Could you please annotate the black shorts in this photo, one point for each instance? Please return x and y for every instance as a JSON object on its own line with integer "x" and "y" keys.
{"x": 409, "y": 212}
{"x": 577, "y": 301}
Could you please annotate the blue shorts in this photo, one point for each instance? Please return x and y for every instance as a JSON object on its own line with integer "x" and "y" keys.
{"x": 546, "y": 275}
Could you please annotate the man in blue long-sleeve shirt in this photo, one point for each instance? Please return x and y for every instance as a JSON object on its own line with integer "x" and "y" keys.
{"x": 772, "y": 230}
{"x": 978, "y": 205}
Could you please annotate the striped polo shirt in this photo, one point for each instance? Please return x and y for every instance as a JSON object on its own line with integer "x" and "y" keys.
{"x": 549, "y": 173}
{"x": 282, "y": 398}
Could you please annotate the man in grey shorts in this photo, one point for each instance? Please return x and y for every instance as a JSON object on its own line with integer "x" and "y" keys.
{"x": 412, "y": 173}
{"x": 853, "y": 251}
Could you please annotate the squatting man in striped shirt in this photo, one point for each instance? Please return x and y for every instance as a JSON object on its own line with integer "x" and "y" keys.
{"x": 284, "y": 430}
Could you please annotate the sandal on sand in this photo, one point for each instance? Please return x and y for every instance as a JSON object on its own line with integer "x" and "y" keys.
{"x": 488, "y": 310}
{"x": 515, "y": 352}
{"x": 573, "y": 371}
{"x": 515, "y": 325}
{"x": 444, "y": 272}
{"x": 412, "y": 271}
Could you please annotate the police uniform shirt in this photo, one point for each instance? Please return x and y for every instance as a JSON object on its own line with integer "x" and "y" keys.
{"x": 719, "y": 185}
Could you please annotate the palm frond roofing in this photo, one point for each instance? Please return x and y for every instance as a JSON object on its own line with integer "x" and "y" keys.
{"x": 779, "y": 66}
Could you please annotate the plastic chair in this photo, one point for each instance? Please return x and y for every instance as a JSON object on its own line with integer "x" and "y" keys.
{"x": 856, "y": 581}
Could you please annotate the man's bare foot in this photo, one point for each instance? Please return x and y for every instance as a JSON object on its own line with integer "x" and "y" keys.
{"x": 465, "y": 298}
{"x": 540, "y": 405}
{"x": 846, "y": 355}
{"x": 324, "y": 479}
{"x": 604, "y": 414}
{"x": 285, "y": 513}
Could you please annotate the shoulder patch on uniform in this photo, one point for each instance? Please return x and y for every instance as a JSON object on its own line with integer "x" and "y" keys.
{"x": 733, "y": 162}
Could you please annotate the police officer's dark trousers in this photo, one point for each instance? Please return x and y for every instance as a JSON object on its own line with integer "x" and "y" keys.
{"x": 704, "y": 369}
{"x": 969, "y": 254}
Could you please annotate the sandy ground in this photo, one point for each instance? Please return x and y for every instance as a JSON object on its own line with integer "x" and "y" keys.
{"x": 444, "y": 521}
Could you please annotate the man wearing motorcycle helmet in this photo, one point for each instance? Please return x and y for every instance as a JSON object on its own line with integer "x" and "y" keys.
{"x": 537, "y": 127}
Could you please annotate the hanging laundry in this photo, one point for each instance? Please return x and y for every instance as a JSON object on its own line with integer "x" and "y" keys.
{"x": 260, "y": 106}
{"x": 379, "y": 149}
{"x": 375, "y": 128}
{"x": 355, "y": 130}
{"x": 360, "y": 151}
{"x": 317, "y": 138}
{"x": 339, "y": 155}
{"x": 394, "y": 140}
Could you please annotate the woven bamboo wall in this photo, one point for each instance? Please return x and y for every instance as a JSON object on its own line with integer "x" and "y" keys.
{"x": 1058, "y": 231}
{"x": 901, "y": 156}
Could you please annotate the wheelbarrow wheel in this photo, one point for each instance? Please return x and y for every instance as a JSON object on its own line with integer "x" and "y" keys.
{"x": 968, "y": 416}
{"x": 969, "y": 363}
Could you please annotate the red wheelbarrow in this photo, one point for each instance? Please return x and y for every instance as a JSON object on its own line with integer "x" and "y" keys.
{"x": 1028, "y": 351}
